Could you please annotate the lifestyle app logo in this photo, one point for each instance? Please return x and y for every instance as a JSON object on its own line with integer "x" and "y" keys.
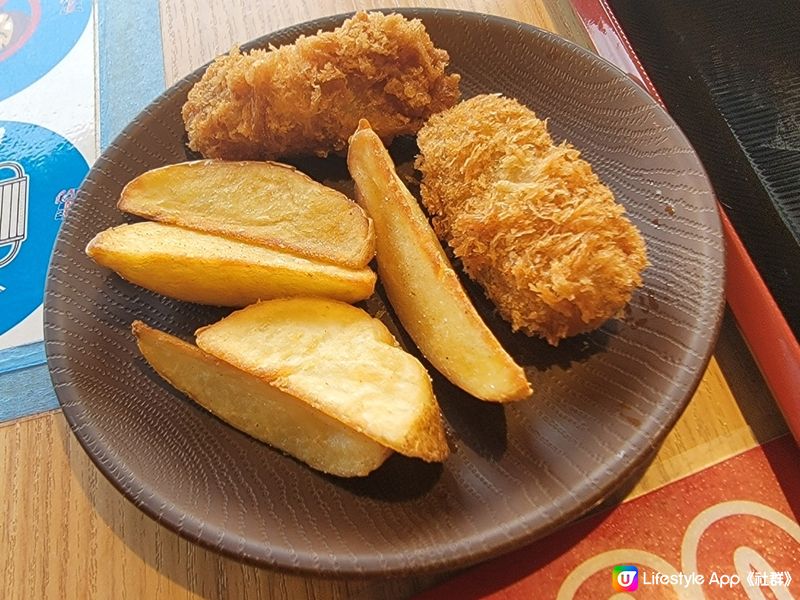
{"x": 625, "y": 578}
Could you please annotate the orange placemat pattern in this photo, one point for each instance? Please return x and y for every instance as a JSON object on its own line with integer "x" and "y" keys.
{"x": 729, "y": 531}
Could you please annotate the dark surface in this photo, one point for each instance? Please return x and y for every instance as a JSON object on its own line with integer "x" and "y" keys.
{"x": 729, "y": 73}
{"x": 602, "y": 404}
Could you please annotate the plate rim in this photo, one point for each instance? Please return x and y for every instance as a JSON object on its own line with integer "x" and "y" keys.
{"x": 304, "y": 563}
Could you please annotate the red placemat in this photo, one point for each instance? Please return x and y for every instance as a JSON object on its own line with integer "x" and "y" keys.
{"x": 730, "y": 531}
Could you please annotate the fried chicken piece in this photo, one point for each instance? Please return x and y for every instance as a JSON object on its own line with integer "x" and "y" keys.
{"x": 309, "y": 96}
{"x": 531, "y": 221}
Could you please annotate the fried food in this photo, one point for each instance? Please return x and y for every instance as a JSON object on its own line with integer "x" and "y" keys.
{"x": 530, "y": 220}
{"x": 210, "y": 269}
{"x": 264, "y": 203}
{"x": 421, "y": 284}
{"x": 341, "y": 361}
{"x": 307, "y": 97}
{"x": 259, "y": 409}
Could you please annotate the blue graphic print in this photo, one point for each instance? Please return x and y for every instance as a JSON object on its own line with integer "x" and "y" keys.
{"x": 34, "y": 36}
{"x": 40, "y": 173}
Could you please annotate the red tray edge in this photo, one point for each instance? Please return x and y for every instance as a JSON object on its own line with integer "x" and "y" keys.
{"x": 763, "y": 326}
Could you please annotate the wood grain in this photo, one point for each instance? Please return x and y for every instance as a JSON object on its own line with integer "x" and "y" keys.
{"x": 194, "y": 32}
{"x": 67, "y": 533}
{"x": 731, "y": 411}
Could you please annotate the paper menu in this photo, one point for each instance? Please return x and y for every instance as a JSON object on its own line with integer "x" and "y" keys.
{"x": 48, "y": 139}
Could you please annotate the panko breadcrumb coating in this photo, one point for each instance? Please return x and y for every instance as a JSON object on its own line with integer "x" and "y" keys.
{"x": 530, "y": 220}
{"x": 307, "y": 97}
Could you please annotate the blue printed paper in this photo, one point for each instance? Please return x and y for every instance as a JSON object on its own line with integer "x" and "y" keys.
{"x": 35, "y": 35}
{"x": 40, "y": 173}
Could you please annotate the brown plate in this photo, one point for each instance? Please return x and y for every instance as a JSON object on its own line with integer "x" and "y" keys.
{"x": 603, "y": 401}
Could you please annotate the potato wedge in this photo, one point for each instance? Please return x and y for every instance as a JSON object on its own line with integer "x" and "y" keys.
{"x": 422, "y": 286}
{"x": 259, "y": 409}
{"x": 209, "y": 269}
{"x": 341, "y": 361}
{"x": 265, "y": 203}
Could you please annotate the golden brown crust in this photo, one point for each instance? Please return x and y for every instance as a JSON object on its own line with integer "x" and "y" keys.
{"x": 531, "y": 221}
{"x": 341, "y": 361}
{"x": 422, "y": 285}
{"x": 307, "y": 97}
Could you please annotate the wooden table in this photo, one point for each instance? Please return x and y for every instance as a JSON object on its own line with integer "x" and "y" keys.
{"x": 66, "y": 532}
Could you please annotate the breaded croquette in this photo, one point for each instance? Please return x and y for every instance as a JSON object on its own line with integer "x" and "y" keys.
{"x": 307, "y": 97}
{"x": 530, "y": 220}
